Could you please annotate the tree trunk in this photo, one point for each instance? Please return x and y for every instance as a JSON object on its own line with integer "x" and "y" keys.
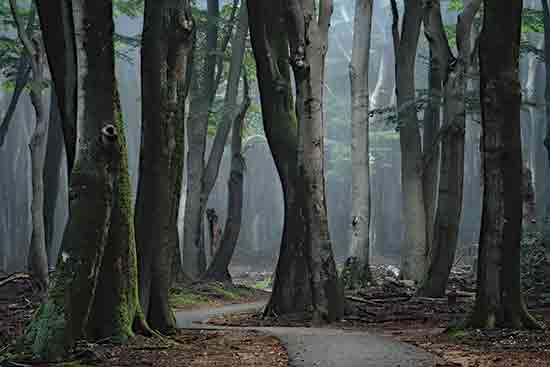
{"x": 65, "y": 317}
{"x": 56, "y": 22}
{"x": 357, "y": 271}
{"x": 499, "y": 301}
{"x": 52, "y": 177}
{"x": 291, "y": 289}
{"x": 167, "y": 45}
{"x": 414, "y": 248}
{"x": 38, "y": 258}
{"x": 204, "y": 89}
{"x": 546, "y": 215}
{"x": 449, "y": 207}
{"x": 218, "y": 269}
{"x": 308, "y": 34}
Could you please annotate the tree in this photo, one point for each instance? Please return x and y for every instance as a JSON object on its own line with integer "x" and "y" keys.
{"x": 202, "y": 175}
{"x": 167, "y": 45}
{"x": 218, "y": 269}
{"x": 308, "y": 39}
{"x": 93, "y": 294}
{"x": 414, "y": 248}
{"x": 449, "y": 204}
{"x": 499, "y": 301}
{"x": 357, "y": 271}
{"x": 38, "y": 258}
{"x": 56, "y": 22}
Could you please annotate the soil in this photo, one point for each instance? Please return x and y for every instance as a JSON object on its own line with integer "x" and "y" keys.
{"x": 193, "y": 348}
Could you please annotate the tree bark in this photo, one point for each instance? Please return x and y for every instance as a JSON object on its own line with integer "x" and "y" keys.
{"x": 449, "y": 207}
{"x": 65, "y": 317}
{"x": 308, "y": 35}
{"x": 218, "y": 269}
{"x": 546, "y": 214}
{"x": 356, "y": 272}
{"x": 202, "y": 95}
{"x": 38, "y": 258}
{"x": 56, "y": 22}
{"x": 291, "y": 289}
{"x": 499, "y": 301}
{"x": 167, "y": 46}
{"x": 414, "y": 248}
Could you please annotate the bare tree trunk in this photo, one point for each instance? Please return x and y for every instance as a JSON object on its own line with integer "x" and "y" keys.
{"x": 94, "y": 294}
{"x": 357, "y": 271}
{"x": 414, "y": 248}
{"x": 308, "y": 34}
{"x": 38, "y": 258}
{"x": 291, "y": 289}
{"x": 499, "y": 301}
{"x": 167, "y": 45}
{"x": 449, "y": 207}
{"x": 546, "y": 215}
{"x": 56, "y": 22}
{"x": 218, "y": 269}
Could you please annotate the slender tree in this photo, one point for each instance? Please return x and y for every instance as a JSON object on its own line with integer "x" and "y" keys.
{"x": 38, "y": 258}
{"x": 452, "y": 134}
{"x": 499, "y": 301}
{"x": 414, "y": 248}
{"x": 218, "y": 269}
{"x": 167, "y": 46}
{"x": 357, "y": 271}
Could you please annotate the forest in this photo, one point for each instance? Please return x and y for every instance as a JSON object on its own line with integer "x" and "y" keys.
{"x": 274, "y": 183}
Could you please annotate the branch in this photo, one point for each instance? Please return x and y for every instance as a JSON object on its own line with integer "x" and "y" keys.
{"x": 296, "y": 33}
{"x": 23, "y": 76}
{"x": 464, "y": 30}
{"x": 225, "y": 43}
{"x": 23, "y": 33}
{"x": 442, "y": 56}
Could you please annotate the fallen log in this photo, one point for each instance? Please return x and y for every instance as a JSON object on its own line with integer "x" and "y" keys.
{"x": 14, "y": 277}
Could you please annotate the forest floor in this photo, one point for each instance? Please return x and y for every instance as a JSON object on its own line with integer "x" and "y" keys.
{"x": 388, "y": 307}
{"x": 193, "y": 348}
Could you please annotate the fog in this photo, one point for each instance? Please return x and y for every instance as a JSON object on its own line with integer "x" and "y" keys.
{"x": 263, "y": 207}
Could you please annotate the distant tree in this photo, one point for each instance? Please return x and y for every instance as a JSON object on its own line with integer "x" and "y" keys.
{"x": 357, "y": 271}
{"x": 499, "y": 301}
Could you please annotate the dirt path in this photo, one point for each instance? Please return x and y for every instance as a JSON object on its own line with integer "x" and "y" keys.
{"x": 324, "y": 347}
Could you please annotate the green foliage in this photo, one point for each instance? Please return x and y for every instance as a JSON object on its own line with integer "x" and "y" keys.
{"x": 130, "y": 8}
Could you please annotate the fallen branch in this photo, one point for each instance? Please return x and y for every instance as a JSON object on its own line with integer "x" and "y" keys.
{"x": 14, "y": 277}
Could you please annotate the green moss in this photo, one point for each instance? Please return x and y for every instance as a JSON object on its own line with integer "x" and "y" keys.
{"x": 457, "y": 331}
{"x": 263, "y": 284}
{"x": 209, "y": 293}
{"x": 45, "y": 335}
{"x": 73, "y": 364}
{"x": 186, "y": 297}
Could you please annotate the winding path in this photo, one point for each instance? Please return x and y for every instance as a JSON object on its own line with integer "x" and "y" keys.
{"x": 323, "y": 347}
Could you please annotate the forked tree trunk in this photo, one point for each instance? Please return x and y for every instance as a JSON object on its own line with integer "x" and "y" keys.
{"x": 69, "y": 313}
{"x": 218, "y": 269}
{"x": 414, "y": 247}
{"x": 449, "y": 207}
{"x": 499, "y": 301}
{"x": 291, "y": 289}
{"x": 167, "y": 45}
{"x": 357, "y": 271}
{"x": 308, "y": 35}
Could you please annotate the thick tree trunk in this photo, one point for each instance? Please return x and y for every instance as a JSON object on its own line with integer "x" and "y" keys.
{"x": 218, "y": 269}
{"x": 291, "y": 289}
{"x": 167, "y": 45}
{"x": 78, "y": 302}
{"x": 499, "y": 301}
{"x": 357, "y": 272}
{"x": 414, "y": 248}
{"x": 56, "y": 22}
{"x": 308, "y": 34}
